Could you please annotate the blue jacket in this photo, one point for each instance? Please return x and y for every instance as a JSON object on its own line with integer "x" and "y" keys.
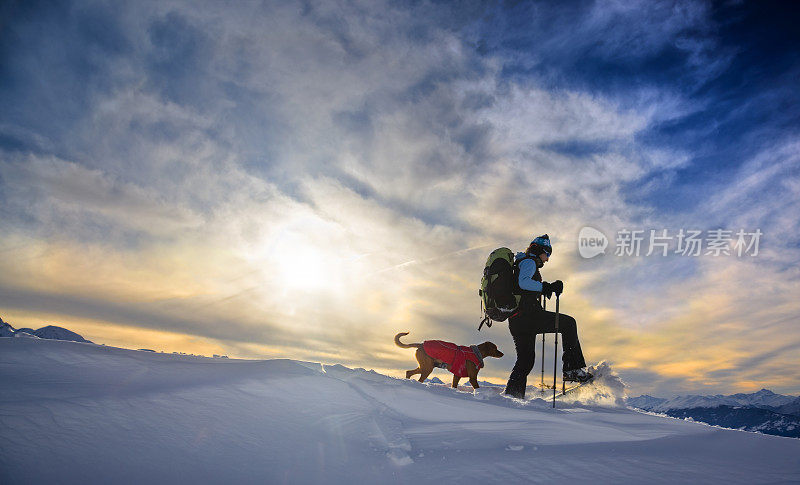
{"x": 529, "y": 277}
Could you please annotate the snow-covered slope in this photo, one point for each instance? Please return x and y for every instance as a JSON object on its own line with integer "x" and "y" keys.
{"x": 792, "y": 407}
{"x": 82, "y": 413}
{"x": 763, "y": 398}
{"x": 645, "y": 402}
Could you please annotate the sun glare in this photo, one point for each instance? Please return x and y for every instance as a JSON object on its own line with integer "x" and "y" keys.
{"x": 303, "y": 267}
{"x": 302, "y": 258}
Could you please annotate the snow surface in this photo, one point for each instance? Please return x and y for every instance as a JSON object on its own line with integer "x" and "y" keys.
{"x": 82, "y": 413}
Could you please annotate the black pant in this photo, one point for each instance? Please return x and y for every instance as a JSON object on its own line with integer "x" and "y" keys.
{"x": 524, "y": 328}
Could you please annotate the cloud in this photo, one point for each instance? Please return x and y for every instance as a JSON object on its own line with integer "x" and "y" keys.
{"x": 55, "y": 190}
{"x": 289, "y": 179}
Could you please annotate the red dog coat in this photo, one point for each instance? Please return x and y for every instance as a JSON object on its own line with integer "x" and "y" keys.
{"x": 454, "y": 355}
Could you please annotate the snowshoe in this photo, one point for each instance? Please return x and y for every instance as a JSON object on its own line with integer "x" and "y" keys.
{"x": 577, "y": 375}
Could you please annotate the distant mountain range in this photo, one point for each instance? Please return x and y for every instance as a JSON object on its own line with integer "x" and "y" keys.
{"x": 763, "y": 411}
{"x": 50, "y": 332}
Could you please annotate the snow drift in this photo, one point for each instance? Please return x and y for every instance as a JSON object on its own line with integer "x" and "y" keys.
{"x": 81, "y": 413}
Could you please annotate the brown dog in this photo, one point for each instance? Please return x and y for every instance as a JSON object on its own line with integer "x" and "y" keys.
{"x": 427, "y": 363}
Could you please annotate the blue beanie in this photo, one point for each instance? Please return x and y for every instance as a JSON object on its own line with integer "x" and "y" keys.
{"x": 541, "y": 244}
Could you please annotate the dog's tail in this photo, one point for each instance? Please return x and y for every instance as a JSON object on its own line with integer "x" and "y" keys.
{"x": 401, "y": 344}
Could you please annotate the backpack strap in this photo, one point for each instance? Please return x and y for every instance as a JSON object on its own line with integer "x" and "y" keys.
{"x": 515, "y": 268}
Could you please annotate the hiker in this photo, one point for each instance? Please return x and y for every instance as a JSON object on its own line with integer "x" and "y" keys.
{"x": 531, "y": 319}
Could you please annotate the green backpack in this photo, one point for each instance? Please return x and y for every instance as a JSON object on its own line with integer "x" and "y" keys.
{"x": 499, "y": 291}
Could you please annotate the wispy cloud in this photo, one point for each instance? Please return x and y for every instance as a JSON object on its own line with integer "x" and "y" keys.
{"x": 287, "y": 179}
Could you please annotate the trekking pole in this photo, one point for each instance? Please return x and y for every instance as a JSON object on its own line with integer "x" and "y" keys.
{"x": 555, "y": 355}
{"x": 483, "y": 312}
{"x": 544, "y": 307}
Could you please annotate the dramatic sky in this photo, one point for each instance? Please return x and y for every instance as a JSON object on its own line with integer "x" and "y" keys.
{"x": 304, "y": 180}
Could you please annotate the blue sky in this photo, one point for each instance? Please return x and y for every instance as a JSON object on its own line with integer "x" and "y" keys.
{"x": 280, "y": 179}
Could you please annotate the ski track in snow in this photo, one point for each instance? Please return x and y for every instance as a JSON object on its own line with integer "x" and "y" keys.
{"x": 82, "y": 413}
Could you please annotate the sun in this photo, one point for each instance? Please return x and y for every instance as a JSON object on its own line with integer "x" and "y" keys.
{"x": 303, "y": 258}
{"x": 301, "y": 266}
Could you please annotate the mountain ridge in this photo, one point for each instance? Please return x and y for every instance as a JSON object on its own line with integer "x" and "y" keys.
{"x": 762, "y": 411}
{"x": 49, "y": 332}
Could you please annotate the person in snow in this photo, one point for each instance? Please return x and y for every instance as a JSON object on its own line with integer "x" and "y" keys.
{"x": 531, "y": 319}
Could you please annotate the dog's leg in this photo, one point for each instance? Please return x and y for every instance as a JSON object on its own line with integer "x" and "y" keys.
{"x": 410, "y": 373}
{"x": 425, "y": 373}
{"x": 455, "y": 381}
{"x": 472, "y": 371}
{"x": 425, "y": 364}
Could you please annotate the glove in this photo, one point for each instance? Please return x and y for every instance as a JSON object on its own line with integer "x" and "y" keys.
{"x": 548, "y": 289}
